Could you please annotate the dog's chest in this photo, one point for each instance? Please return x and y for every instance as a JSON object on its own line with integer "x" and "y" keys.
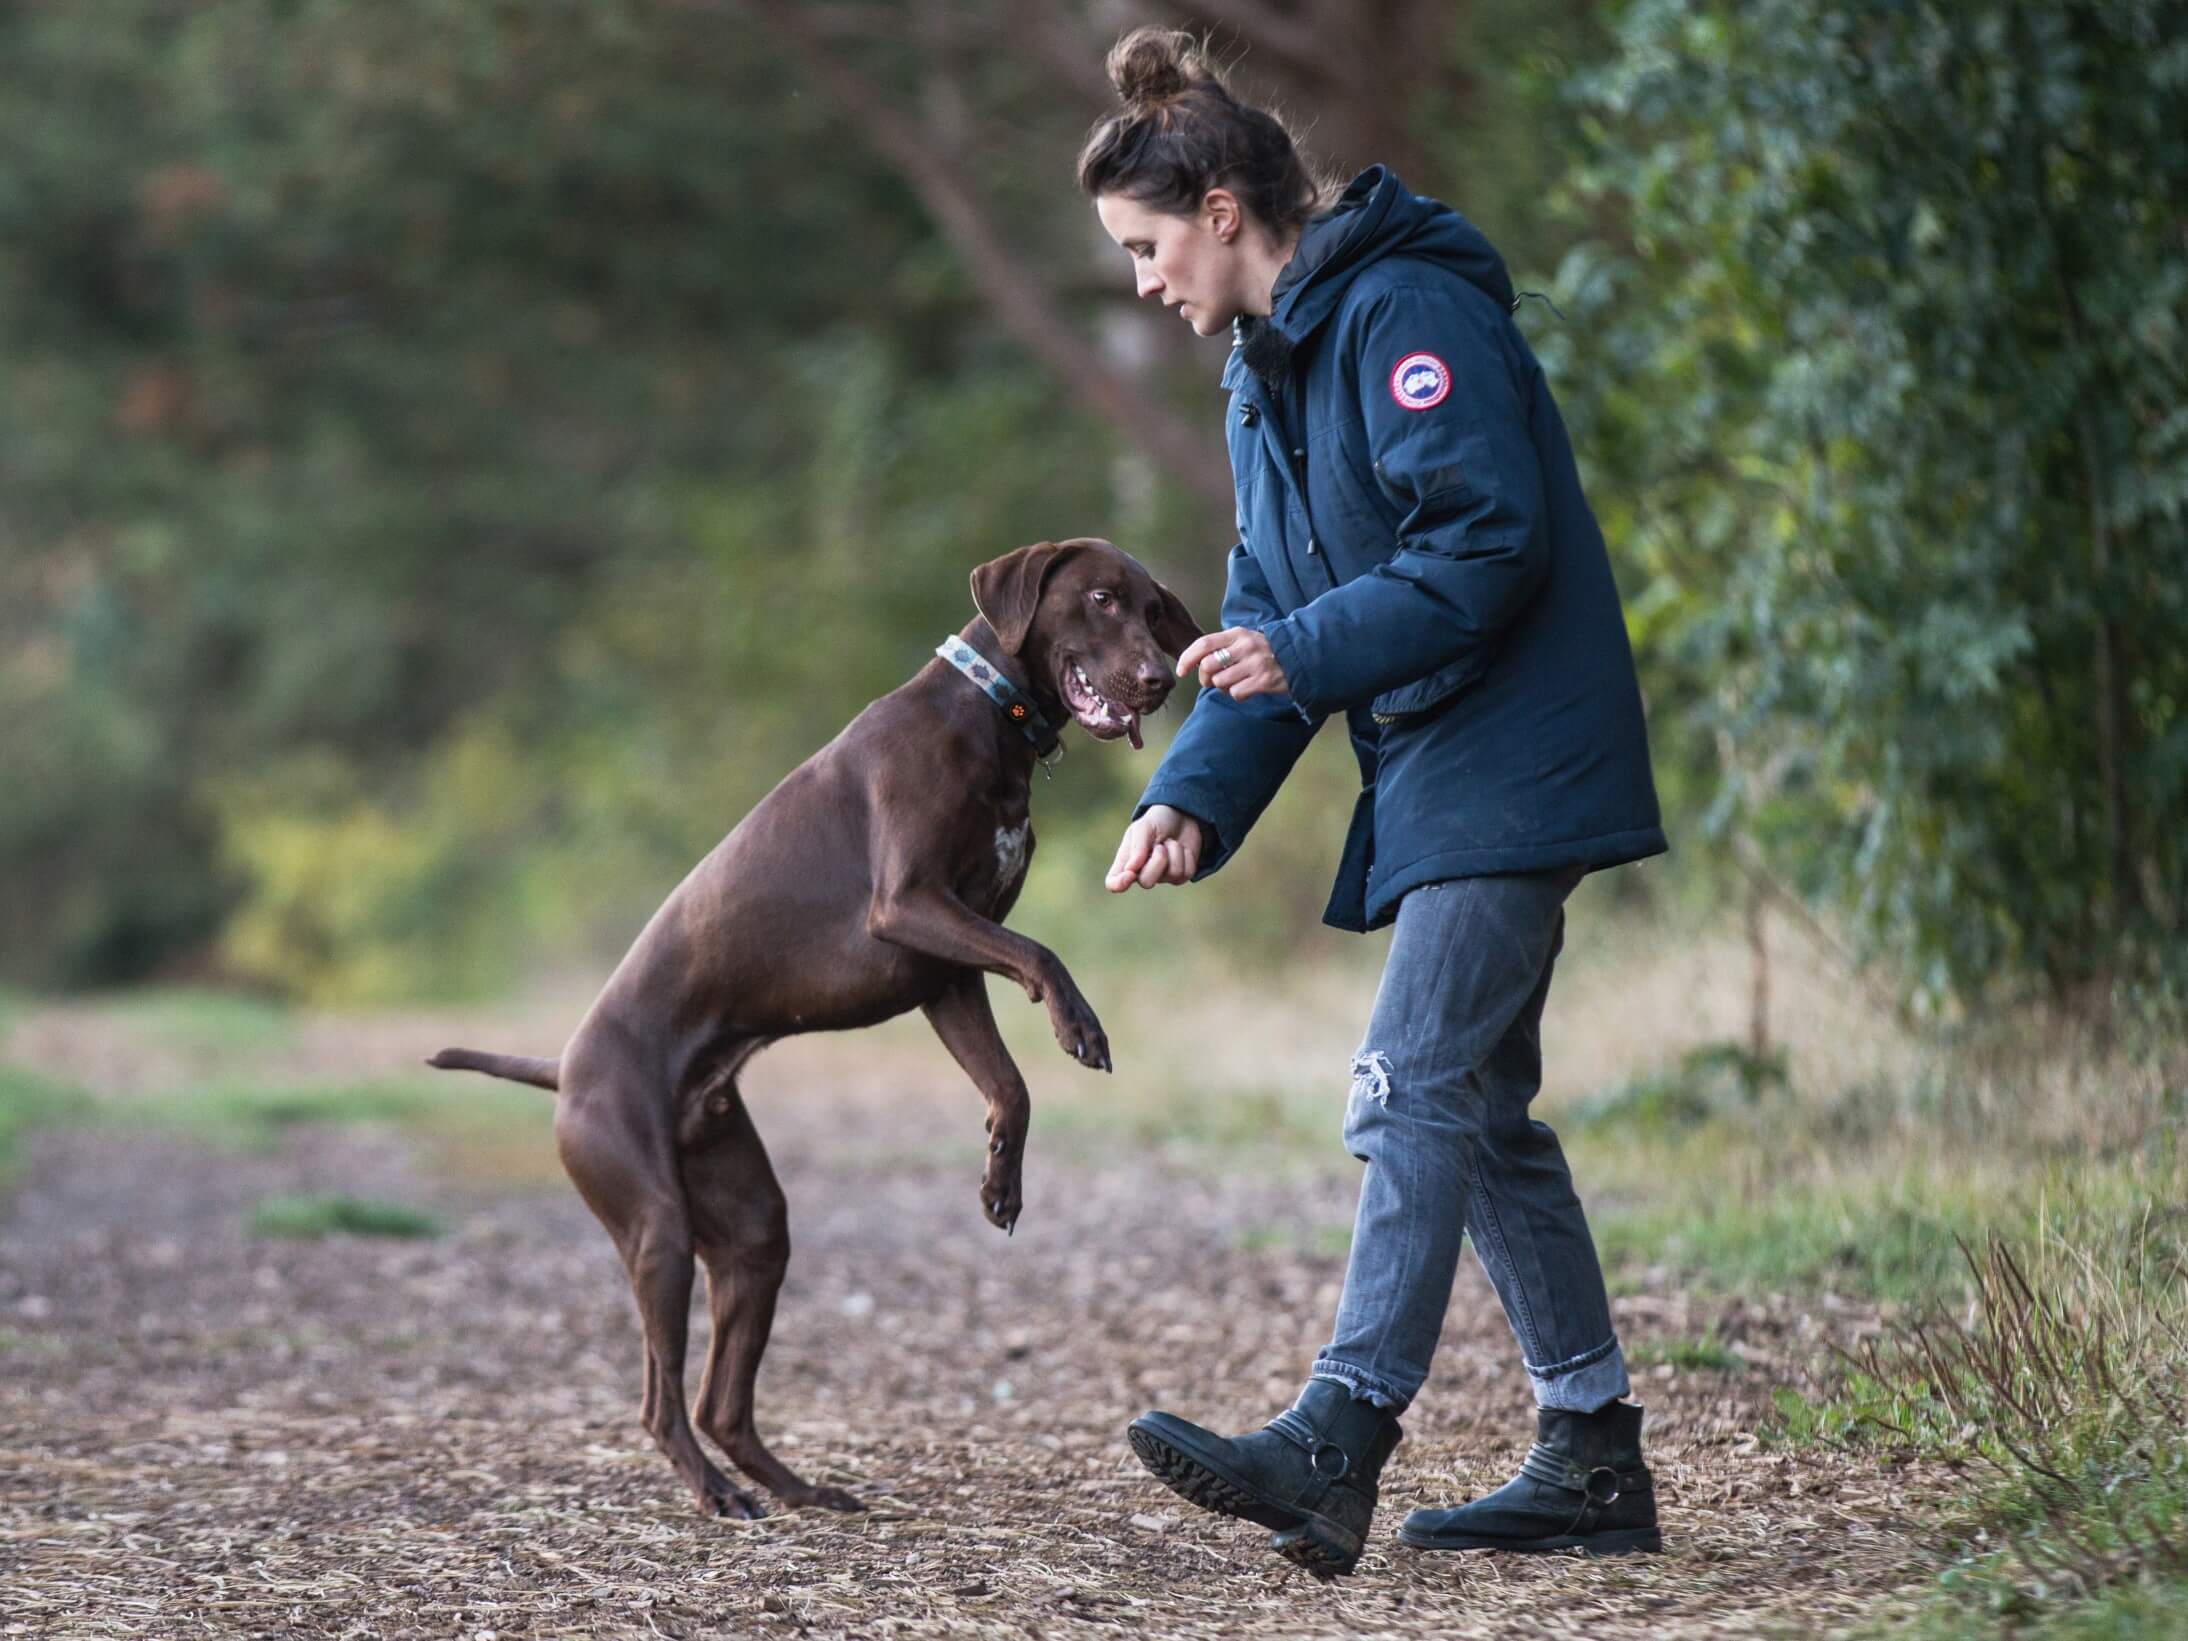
{"x": 1010, "y": 852}
{"x": 998, "y": 859}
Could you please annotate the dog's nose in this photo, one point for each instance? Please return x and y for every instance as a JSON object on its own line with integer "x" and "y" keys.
{"x": 1153, "y": 676}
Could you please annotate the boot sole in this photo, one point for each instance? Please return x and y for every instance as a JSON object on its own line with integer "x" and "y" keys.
{"x": 1625, "y": 1542}
{"x": 1307, "y": 1540}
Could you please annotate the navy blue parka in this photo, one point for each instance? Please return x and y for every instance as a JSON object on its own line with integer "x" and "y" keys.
{"x": 1414, "y": 544}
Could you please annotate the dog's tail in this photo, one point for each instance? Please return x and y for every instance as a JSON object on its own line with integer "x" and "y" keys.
{"x": 518, "y": 1068}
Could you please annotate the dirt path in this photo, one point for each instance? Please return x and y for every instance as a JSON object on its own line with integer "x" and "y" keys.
{"x": 205, "y": 1434}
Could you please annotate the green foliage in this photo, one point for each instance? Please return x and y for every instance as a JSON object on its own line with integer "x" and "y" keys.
{"x": 1708, "y": 1080}
{"x": 2062, "y": 1389}
{"x": 310, "y": 1218}
{"x": 1885, "y": 405}
{"x": 419, "y": 480}
{"x": 456, "y": 459}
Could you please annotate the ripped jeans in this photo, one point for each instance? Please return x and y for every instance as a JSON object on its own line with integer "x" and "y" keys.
{"x": 1438, "y": 1112}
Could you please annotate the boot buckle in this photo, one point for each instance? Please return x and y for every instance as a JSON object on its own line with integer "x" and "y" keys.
{"x": 1344, "y": 1462}
{"x": 1588, "y": 1486}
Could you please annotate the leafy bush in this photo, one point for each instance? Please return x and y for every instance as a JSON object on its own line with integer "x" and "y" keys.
{"x": 1884, "y": 389}
{"x": 1708, "y": 1080}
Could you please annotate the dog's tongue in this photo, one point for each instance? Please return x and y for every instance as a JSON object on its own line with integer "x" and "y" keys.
{"x": 1132, "y": 728}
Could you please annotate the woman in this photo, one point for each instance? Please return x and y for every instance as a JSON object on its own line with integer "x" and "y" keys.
{"x": 1415, "y": 554}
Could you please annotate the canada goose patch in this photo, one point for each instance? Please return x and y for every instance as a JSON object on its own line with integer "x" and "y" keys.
{"x": 1420, "y": 381}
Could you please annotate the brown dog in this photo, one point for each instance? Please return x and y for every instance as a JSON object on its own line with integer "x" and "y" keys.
{"x": 872, "y": 881}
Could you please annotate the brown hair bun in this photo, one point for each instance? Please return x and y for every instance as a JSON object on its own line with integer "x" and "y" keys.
{"x": 1153, "y": 64}
{"x": 1180, "y": 132}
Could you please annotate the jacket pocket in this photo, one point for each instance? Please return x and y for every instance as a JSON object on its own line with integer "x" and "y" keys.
{"x": 1419, "y": 700}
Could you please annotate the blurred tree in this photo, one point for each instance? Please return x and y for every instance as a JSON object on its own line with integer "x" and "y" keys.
{"x": 1888, "y": 388}
{"x": 391, "y": 389}
{"x": 356, "y": 359}
{"x": 953, "y": 95}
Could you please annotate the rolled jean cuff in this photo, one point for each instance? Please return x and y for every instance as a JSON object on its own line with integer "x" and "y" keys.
{"x": 1364, "y": 1387}
{"x": 1582, "y": 1383}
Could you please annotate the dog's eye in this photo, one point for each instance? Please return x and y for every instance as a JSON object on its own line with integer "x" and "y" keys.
{"x": 1102, "y": 599}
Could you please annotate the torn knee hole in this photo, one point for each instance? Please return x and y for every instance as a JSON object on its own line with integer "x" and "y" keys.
{"x": 1371, "y": 1077}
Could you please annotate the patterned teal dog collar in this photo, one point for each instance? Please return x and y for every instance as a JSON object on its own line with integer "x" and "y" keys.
{"x": 1016, "y": 705}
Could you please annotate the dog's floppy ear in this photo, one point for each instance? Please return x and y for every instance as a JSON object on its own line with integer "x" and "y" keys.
{"x": 1174, "y": 624}
{"x": 1007, "y": 590}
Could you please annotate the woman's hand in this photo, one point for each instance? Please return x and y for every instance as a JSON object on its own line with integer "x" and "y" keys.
{"x": 1237, "y": 661}
{"x": 1162, "y": 846}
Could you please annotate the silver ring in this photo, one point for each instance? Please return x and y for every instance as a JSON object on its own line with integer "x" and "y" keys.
{"x": 1222, "y": 659}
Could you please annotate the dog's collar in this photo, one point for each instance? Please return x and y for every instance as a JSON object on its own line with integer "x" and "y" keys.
{"x": 1017, "y": 706}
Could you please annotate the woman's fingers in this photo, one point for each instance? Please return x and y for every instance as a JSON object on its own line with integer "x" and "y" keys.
{"x": 1237, "y": 661}
{"x": 1235, "y": 648}
{"x": 1200, "y": 654}
{"x": 1162, "y": 846}
{"x": 1205, "y": 645}
{"x": 1132, "y": 853}
{"x": 1258, "y": 675}
{"x": 1157, "y": 867}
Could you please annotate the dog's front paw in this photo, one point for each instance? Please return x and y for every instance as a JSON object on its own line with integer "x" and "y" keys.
{"x": 1079, "y": 1033}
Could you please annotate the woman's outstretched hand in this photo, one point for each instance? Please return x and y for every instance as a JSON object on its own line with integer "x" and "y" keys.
{"x": 1162, "y": 846}
{"x": 1237, "y": 661}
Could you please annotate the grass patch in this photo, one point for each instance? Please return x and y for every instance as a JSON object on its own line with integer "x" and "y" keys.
{"x": 1330, "y": 1238}
{"x": 2132, "y": 1612}
{"x": 312, "y": 1217}
{"x": 254, "y": 1118}
{"x": 1267, "y": 1124}
{"x": 1707, "y": 1081}
{"x": 1883, "y": 1245}
{"x": 2063, "y": 1392}
{"x": 484, "y": 1134}
{"x": 28, "y": 1101}
{"x": 1708, "y": 1354}
{"x": 27, "y": 1347}
{"x": 203, "y": 1020}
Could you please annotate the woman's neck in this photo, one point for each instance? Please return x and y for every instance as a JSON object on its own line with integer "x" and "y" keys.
{"x": 1266, "y": 256}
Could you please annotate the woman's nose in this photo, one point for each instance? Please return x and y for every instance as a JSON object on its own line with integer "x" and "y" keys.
{"x": 1149, "y": 281}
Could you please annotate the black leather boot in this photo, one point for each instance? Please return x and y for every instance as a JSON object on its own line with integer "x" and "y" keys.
{"x": 1310, "y": 1473}
{"x": 1582, "y": 1487}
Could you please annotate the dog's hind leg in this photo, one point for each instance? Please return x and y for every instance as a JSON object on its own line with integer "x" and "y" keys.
{"x": 742, "y": 1230}
{"x": 626, "y": 1171}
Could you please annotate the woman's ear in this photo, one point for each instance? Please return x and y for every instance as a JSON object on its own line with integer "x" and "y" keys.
{"x": 1221, "y": 213}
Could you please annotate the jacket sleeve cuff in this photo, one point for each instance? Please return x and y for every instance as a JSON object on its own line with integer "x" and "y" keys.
{"x": 1283, "y": 640}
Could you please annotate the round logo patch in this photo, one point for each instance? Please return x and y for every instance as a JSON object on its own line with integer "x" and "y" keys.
{"x": 1420, "y": 381}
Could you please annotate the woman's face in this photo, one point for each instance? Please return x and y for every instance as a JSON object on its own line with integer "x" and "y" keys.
{"x": 1192, "y": 261}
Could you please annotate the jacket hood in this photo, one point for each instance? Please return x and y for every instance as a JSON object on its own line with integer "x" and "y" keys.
{"x": 1377, "y": 217}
